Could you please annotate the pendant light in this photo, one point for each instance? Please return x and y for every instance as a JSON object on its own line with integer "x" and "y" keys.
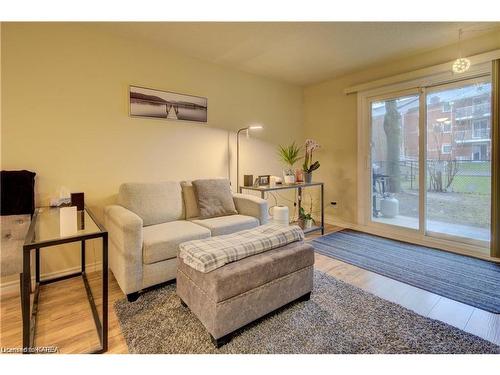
{"x": 462, "y": 64}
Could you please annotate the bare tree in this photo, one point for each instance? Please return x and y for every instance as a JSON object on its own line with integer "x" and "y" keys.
{"x": 392, "y": 129}
{"x": 442, "y": 171}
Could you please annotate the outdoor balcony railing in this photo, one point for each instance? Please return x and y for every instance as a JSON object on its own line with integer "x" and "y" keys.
{"x": 472, "y": 111}
{"x": 467, "y": 136}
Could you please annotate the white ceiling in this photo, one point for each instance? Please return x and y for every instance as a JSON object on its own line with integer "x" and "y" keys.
{"x": 299, "y": 52}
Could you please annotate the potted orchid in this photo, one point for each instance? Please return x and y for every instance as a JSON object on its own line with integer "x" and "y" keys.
{"x": 306, "y": 220}
{"x": 309, "y": 166}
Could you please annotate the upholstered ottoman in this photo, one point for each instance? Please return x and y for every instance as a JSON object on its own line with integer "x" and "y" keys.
{"x": 230, "y": 297}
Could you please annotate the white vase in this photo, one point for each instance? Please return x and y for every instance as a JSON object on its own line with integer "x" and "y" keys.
{"x": 280, "y": 215}
{"x": 308, "y": 223}
{"x": 288, "y": 176}
{"x": 68, "y": 221}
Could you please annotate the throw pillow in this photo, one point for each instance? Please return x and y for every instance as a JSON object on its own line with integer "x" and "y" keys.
{"x": 190, "y": 200}
{"x": 214, "y": 198}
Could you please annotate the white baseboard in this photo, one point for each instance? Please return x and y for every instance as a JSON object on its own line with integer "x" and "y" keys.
{"x": 332, "y": 220}
{"x": 13, "y": 286}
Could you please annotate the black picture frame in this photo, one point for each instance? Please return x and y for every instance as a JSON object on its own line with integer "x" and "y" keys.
{"x": 264, "y": 180}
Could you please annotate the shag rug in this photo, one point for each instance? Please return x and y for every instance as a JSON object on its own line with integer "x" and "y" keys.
{"x": 339, "y": 318}
{"x": 469, "y": 280}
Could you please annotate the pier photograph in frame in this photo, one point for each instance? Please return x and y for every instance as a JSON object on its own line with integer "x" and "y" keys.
{"x": 154, "y": 103}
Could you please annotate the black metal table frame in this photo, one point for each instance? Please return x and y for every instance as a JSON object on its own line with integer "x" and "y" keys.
{"x": 264, "y": 189}
{"x": 29, "y": 320}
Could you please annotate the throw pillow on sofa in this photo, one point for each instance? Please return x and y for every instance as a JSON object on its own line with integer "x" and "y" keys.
{"x": 190, "y": 200}
{"x": 214, "y": 198}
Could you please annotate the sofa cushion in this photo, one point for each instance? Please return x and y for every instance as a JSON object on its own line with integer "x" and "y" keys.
{"x": 154, "y": 203}
{"x": 190, "y": 200}
{"x": 228, "y": 224}
{"x": 214, "y": 197}
{"x": 249, "y": 273}
{"x": 161, "y": 241}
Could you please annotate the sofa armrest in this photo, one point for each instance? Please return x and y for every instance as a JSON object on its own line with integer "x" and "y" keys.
{"x": 125, "y": 246}
{"x": 252, "y": 206}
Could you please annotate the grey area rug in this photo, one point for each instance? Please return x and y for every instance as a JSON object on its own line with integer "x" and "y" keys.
{"x": 339, "y": 318}
{"x": 472, "y": 281}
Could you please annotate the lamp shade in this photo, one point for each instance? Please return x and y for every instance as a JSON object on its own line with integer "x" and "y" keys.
{"x": 460, "y": 65}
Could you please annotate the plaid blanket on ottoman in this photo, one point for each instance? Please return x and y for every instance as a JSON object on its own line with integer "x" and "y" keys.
{"x": 211, "y": 253}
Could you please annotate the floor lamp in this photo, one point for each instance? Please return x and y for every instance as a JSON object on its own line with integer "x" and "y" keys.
{"x": 247, "y": 129}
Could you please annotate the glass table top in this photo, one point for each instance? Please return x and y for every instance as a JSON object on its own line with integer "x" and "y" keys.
{"x": 281, "y": 186}
{"x": 48, "y": 227}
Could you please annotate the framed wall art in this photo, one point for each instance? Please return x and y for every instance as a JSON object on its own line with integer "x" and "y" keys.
{"x": 154, "y": 103}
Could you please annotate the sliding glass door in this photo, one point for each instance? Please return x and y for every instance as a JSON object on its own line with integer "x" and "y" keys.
{"x": 395, "y": 161}
{"x": 458, "y": 163}
{"x": 430, "y": 161}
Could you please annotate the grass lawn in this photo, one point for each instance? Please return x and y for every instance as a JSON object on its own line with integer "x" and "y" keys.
{"x": 472, "y": 184}
{"x": 474, "y": 166}
{"x": 454, "y": 208}
{"x": 461, "y": 184}
{"x": 467, "y": 202}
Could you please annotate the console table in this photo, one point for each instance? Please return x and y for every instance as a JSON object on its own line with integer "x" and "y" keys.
{"x": 44, "y": 232}
{"x": 299, "y": 187}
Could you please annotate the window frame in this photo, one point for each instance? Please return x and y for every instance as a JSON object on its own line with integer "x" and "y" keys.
{"x": 446, "y": 152}
{"x": 470, "y": 246}
{"x": 474, "y": 123}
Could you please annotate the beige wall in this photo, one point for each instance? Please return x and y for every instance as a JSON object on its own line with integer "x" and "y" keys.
{"x": 65, "y": 115}
{"x": 330, "y": 117}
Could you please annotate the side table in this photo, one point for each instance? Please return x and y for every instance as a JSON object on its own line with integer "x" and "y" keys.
{"x": 44, "y": 232}
{"x": 299, "y": 187}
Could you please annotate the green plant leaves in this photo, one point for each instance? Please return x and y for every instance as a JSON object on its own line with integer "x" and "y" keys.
{"x": 314, "y": 166}
{"x": 289, "y": 154}
{"x": 303, "y": 215}
{"x": 311, "y": 168}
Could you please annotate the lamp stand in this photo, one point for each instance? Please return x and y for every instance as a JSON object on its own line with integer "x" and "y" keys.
{"x": 238, "y": 158}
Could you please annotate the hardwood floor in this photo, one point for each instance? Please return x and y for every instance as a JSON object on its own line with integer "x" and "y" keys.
{"x": 468, "y": 318}
{"x": 65, "y": 317}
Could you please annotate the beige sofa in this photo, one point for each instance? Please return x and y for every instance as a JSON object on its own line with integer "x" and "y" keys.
{"x": 149, "y": 222}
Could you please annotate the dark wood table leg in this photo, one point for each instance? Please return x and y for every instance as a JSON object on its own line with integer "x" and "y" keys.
{"x": 83, "y": 255}
{"x": 37, "y": 265}
{"x": 105, "y": 292}
{"x": 25, "y": 303}
{"x": 322, "y": 209}
{"x": 299, "y": 198}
